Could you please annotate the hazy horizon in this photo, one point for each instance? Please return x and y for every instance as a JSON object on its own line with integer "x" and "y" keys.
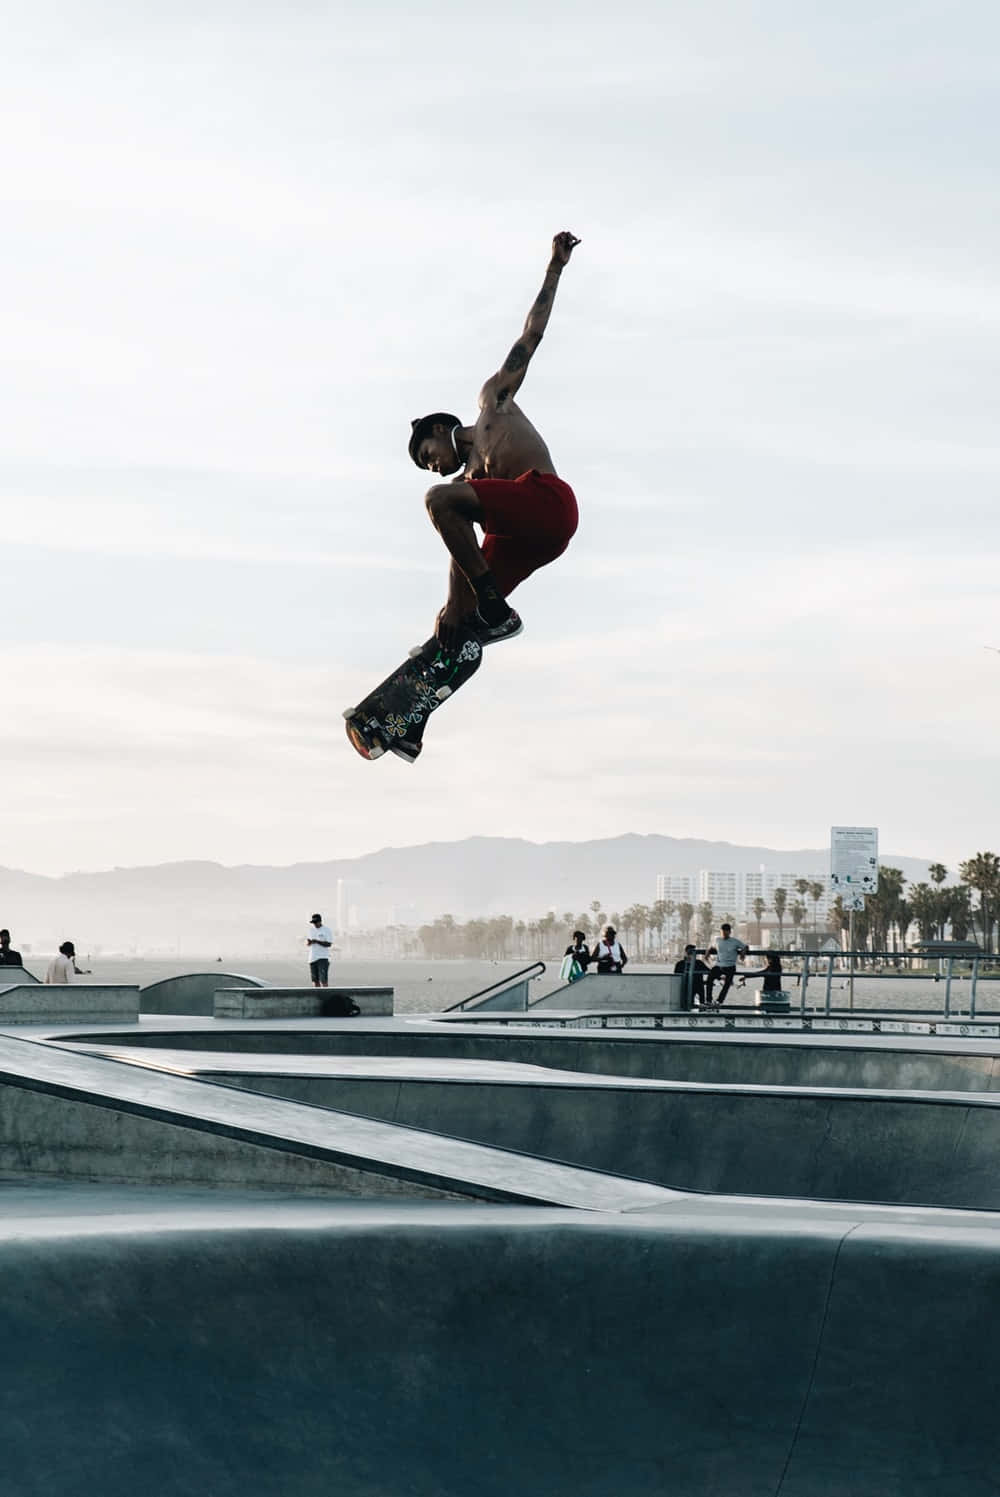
{"x": 822, "y": 852}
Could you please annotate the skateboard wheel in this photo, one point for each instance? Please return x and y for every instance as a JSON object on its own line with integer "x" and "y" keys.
{"x": 443, "y": 693}
{"x": 349, "y": 713}
{"x": 375, "y": 751}
{"x": 416, "y": 651}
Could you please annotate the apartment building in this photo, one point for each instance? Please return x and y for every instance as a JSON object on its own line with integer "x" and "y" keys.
{"x": 732, "y": 893}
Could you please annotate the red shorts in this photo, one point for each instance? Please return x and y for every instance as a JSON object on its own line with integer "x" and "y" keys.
{"x": 528, "y": 522}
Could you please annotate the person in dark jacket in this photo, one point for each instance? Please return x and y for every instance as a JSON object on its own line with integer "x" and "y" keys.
{"x": 579, "y": 950}
{"x": 694, "y": 988}
{"x": 8, "y": 956}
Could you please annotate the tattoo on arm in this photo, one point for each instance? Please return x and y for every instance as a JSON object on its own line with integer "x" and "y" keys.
{"x": 516, "y": 359}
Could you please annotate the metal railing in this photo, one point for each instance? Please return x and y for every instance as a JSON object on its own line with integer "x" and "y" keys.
{"x": 499, "y": 989}
{"x": 825, "y": 966}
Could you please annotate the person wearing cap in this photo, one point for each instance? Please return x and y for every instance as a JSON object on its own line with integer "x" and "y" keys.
{"x": 320, "y": 943}
{"x": 609, "y": 954}
{"x": 508, "y": 486}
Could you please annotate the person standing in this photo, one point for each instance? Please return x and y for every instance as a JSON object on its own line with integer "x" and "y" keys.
{"x": 609, "y": 953}
{"x": 320, "y": 943}
{"x": 727, "y": 952}
{"x": 576, "y": 956}
{"x": 8, "y": 956}
{"x": 63, "y": 968}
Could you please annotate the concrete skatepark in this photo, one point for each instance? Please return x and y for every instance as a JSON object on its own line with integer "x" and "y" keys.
{"x": 457, "y": 1254}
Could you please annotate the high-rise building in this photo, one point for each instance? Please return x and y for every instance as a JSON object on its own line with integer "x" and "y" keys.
{"x": 680, "y": 887}
{"x": 724, "y": 891}
{"x": 732, "y": 892}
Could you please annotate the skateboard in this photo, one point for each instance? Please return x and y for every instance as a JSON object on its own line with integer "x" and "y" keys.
{"x": 394, "y": 715}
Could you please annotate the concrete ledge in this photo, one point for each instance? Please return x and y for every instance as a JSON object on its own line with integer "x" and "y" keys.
{"x": 299, "y": 1003}
{"x": 72, "y": 1003}
{"x": 15, "y": 977}
{"x": 191, "y": 992}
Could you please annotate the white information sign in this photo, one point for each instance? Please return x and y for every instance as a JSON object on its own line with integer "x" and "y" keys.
{"x": 854, "y": 859}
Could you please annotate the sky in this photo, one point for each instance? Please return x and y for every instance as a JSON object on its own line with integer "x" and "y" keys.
{"x": 246, "y": 244}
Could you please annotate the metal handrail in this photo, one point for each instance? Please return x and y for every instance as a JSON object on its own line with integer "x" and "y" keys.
{"x": 973, "y": 958}
{"x": 501, "y": 982}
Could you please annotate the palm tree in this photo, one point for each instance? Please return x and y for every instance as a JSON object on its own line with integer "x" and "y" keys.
{"x": 661, "y": 912}
{"x": 903, "y": 921}
{"x": 798, "y": 914}
{"x": 982, "y": 873}
{"x": 881, "y": 907}
{"x": 956, "y": 911}
{"x": 780, "y": 902}
{"x": 925, "y": 905}
{"x": 759, "y": 907}
{"x": 706, "y": 919}
{"x": 685, "y": 913}
{"x": 840, "y": 919}
{"x": 816, "y": 892}
{"x": 937, "y": 873}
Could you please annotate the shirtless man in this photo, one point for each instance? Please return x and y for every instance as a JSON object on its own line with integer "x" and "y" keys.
{"x": 508, "y": 487}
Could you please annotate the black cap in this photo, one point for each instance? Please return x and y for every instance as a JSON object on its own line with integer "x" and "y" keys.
{"x": 423, "y": 427}
{"x": 317, "y": 917}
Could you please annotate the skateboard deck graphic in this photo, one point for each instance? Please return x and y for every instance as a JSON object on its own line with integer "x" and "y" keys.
{"x": 394, "y": 715}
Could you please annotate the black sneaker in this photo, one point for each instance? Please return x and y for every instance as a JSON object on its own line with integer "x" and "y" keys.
{"x": 491, "y": 634}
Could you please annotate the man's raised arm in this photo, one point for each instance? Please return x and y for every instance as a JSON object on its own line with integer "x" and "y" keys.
{"x": 503, "y": 385}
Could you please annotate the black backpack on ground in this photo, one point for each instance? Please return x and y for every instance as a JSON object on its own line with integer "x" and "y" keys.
{"x": 338, "y": 1006}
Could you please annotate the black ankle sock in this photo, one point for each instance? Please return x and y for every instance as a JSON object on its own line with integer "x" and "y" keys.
{"x": 491, "y": 602}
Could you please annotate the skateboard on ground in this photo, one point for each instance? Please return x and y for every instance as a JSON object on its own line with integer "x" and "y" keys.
{"x": 394, "y": 715}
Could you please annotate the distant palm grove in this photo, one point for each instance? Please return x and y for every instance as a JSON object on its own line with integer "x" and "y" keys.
{"x": 891, "y": 920}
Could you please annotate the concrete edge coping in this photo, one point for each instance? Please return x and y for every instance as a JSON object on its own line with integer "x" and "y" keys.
{"x": 476, "y": 1170}
{"x": 472, "y": 1072}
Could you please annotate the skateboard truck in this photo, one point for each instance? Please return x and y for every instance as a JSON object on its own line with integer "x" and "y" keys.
{"x": 367, "y": 745}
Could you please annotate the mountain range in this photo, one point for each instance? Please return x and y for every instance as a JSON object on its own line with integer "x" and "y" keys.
{"x": 194, "y": 907}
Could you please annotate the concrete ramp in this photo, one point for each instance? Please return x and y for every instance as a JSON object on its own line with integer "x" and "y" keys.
{"x": 920, "y": 1148}
{"x": 830, "y": 1060}
{"x": 445, "y": 1351}
{"x": 67, "y": 1115}
{"x": 191, "y": 992}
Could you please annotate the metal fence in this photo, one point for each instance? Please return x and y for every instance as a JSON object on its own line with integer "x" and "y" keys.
{"x": 835, "y": 981}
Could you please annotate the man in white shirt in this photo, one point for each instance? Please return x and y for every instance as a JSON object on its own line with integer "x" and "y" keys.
{"x": 320, "y": 943}
{"x": 727, "y": 951}
{"x": 62, "y": 967}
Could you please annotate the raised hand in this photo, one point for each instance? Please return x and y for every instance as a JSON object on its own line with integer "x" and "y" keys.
{"x": 563, "y": 246}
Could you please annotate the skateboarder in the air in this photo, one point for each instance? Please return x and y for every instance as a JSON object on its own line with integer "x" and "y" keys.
{"x": 508, "y": 486}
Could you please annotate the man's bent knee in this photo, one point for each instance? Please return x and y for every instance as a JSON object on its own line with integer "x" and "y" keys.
{"x": 452, "y": 499}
